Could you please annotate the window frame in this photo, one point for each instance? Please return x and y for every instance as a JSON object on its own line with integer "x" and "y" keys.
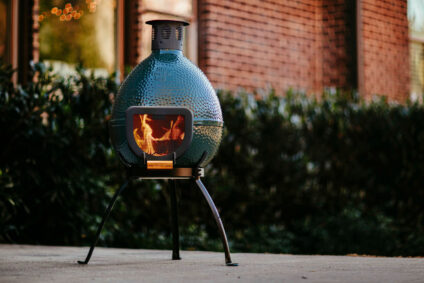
{"x": 11, "y": 54}
{"x": 415, "y": 37}
{"x": 119, "y": 37}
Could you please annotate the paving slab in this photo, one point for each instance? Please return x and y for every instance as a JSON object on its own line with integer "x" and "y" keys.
{"x": 23, "y": 263}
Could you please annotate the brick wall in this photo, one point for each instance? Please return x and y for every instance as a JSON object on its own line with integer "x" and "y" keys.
{"x": 254, "y": 43}
{"x": 384, "y": 48}
{"x": 307, "y": 45}
{"x": 133, "y": 25}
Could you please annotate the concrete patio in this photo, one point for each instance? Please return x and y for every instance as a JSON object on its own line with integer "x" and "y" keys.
{"x": 19, "y": 263}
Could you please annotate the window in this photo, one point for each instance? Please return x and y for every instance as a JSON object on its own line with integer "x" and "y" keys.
{"x": 416, "y": 27}
{"x": 170, "y": 10}
{"x": 79, "y": 32}
{"x": 4, "y": 29}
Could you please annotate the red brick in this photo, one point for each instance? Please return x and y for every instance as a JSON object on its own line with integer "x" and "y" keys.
{"x": 385, "y": 48}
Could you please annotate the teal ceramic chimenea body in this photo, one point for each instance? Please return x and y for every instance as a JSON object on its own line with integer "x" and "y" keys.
{"x": 168, "y": 78}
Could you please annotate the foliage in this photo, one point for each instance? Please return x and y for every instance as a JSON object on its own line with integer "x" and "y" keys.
{"x": 53, "y": 148}
{"x": 294, "y": 174}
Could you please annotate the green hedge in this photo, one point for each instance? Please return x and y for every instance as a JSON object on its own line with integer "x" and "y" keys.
{"x": 294, "y": 174}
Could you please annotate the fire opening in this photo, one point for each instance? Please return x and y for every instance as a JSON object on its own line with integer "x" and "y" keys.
{"x": 158, "y": 135}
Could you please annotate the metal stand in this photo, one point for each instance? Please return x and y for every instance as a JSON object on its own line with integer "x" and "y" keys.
{"x": 174, "y": 221}
{"x": 178, "y": 173}
{"x": 212, "y": 206}
{"x": 105, "y": 217}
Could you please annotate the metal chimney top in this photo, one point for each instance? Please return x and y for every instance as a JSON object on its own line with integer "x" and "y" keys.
{"x": 167, "y": 34}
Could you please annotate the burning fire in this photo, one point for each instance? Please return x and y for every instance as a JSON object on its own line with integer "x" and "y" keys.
{"x": 158, "y": 134}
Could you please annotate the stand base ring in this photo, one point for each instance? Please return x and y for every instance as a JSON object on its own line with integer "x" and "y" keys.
{"x": 175, "y": 173}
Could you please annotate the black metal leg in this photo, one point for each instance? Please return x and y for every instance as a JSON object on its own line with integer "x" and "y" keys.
{"x": 105, "y": 216}
{"x": 218, "y": 222}
{"x": 174, "y": 221}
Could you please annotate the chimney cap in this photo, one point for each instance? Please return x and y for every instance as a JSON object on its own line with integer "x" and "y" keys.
{"x": 167, "y": 34}
{"x": 158, "y": 22}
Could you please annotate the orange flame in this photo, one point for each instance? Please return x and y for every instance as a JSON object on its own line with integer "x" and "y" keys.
{"x": 158, "y": 136}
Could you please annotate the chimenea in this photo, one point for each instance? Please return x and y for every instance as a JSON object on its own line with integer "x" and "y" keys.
{"x": 166, "y": 123}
